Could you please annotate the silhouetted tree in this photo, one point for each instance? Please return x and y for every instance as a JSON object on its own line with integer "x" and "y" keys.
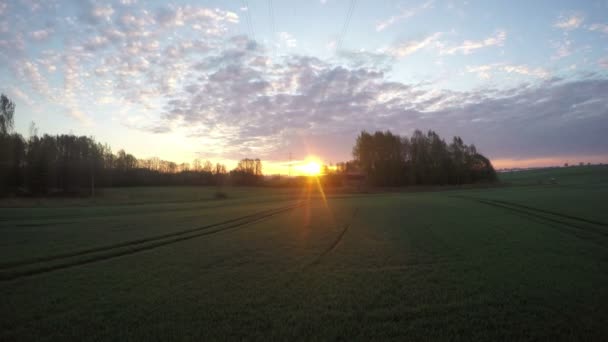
{"x": 247, "y": 172}
{"x": 9, "y": 145}
{"x": 196, "y": 165}
{"x": 389, "y": 159}
{"x": 380, "y": 156}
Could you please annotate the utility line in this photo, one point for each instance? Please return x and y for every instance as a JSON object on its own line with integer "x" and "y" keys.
{"x": 349, "y": 15}
{"x": 272, "y": 26}
{"x": 249, "y": 21}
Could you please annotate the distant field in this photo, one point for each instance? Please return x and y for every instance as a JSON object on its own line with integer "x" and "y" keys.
{"x": 522, "y": 262}
{"x": 573, "y": 175}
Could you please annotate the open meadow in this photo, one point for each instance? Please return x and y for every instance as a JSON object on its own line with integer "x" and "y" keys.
{"x": 526, "y": 261}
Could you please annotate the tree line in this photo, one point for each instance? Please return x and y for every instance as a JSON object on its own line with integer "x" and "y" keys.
{"x": 70, "y": 164}
{"x": 47, "y": 164}
{"x": 388, "y": 159}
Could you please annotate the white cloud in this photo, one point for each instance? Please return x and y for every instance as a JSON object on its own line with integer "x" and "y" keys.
{"x": 29, "y": 72}
{"x": 562, "y": 49}
{"x": 102, "y": 11}
{"x": 252, "y": 108}
{"x": 19, "y": 94}
{"x": 569, "y": 22}
{"x": 599, "y": 27}
{"x": 482, "y": 71}
{"x": 80, "y": 116}
{"x": 179, "y": 16}
{"x": 178, "y": 70}
{"x": 96, "y": 42}
{"x": 408, "y": 48}
{"x": 603, "y": 63}
{"x": 41, "y": 35}
{"x": 405, "y": 14}
{"x": 288, "y": 40}
{"x": 486, "y": 71}
{"x": 468, "y": 46}
{"x": 48, "y": 61}
{"x": 35, "y": 5}
{"x": 73, "y": 90}
{"x": 525, "y": 70}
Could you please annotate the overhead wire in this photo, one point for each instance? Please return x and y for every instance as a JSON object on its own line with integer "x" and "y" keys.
{"x": 272, "y": 26}
{"x": 349, "y": 15}
{"x": 249, "y": 21}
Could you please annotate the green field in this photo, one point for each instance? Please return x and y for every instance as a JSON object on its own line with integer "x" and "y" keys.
{"x": 527, "y": 261}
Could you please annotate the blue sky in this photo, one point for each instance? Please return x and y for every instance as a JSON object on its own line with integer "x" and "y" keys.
{"x": 526, "y": 81}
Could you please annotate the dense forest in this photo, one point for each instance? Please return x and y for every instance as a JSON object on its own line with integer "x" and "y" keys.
{"x": 391, "y": 160}
{"x": 70, "y": 164}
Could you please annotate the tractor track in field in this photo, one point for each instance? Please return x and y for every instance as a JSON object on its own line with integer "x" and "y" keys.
{"x": 11, "y": 271}
{"x": 544, "y": 215}
{"x": 299, "y": 271}
{"x": 576, "y": 224}
{"x": 335, "y": 243}
{"x": 130, "y": 243}
{"x": 570, "y": 217}
{"x": 147, "y": 211}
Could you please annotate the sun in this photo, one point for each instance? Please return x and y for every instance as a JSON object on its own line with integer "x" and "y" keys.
{"x": 311, "y": 168}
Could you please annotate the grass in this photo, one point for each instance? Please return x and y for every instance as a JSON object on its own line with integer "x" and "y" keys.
{"x": 512, "y": 263}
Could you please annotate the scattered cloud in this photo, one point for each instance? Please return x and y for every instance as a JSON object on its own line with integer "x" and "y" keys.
{"x": 331, "y": 45}
{"x": 404, "y": 14}
{"x": 181, "y": 15}
{"x": 569, "y": 22}
{"x": 408, "y": 48}
{"x": 486, "y": 71}
{"x": 362, "y": 58}
{"x": 599, "y": 28}
{"x": 102, "y": 12}
{"x": 41, "y": 35}
{"x": 35, "y": 5}
{"x": 482, "y": 71}
{"x": 19, "y": 94}
{"x": 287, "y": 40}
{"x": 114, "y": 56}
{"x": 263, "y": 109}
{"x": 179, "y": 69}
{"x": 524, "y": 70}
{"x": 562, "y": 49}
{"x": 468, "y": 46}
{"x": 30, "y": 73}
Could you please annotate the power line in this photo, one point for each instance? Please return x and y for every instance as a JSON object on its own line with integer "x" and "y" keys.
{"x": 349, "y": 15}
{"x": 272, "y": 27}
{"x": 249, "y": 21}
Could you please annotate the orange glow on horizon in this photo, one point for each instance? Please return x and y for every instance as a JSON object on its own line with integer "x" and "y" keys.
{"x": 501, "y": 163}
{"x": 312, "y": 167}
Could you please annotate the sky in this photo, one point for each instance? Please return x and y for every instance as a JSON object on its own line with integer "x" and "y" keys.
{"x": 525, "y": 81}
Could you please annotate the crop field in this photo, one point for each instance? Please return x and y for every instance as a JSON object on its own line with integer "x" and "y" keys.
{"x": 527, "y": 261}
